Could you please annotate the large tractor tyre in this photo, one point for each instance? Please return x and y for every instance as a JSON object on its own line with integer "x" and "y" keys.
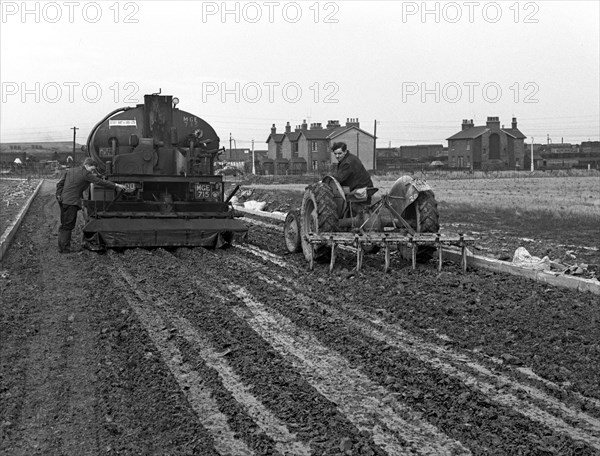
{"x": 291, "y": 232}
{"x": 423, "y": 217}
{"x": 317, "y": 215}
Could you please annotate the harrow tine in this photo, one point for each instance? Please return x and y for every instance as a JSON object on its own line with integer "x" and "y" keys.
{"x": 387, "y": 258}
{"x": 414, "y": 253}
{"x": 463, "y": 251}
{"x": 333, "y": 253}
{"x": 311, "y": 263}
{"x": 359, "y": 256}
{"x": 439, "y": 248}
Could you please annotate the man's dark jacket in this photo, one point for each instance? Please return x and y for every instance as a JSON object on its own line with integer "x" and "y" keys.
{"x": 74, "y": 182}
{"x": 351, "y": 173}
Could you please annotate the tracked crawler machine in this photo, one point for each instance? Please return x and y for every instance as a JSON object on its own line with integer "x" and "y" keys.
{"x": 405, "y": 219}
{"x": 165, "y": 157}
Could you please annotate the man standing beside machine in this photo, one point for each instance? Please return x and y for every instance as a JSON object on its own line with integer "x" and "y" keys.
{"x": 69, "y": 191}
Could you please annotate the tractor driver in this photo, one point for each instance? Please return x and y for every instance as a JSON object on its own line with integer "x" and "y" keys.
{"x": 351, "y": 172}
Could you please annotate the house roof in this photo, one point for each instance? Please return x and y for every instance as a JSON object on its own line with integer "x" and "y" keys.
{"x": 342, "y": 130}
{"x": 514, "y": 132}
{"x": 316, "y": 134}
{"x": 293, "y": 136}
{"x": 277, "y": 137}
{"x": 476, "y": 132}
{"x": 470, "y": 133}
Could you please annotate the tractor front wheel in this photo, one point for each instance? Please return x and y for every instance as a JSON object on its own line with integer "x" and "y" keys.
{"x": 291, "y": 232}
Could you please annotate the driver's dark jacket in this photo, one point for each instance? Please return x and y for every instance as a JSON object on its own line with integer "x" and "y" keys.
{"x": 352, "y": 173}
{"x": 75, "y": 181}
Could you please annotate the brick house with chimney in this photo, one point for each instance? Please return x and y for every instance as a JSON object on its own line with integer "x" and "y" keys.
{"x": 477, "y": 147}
{"x": 309, "y": 149}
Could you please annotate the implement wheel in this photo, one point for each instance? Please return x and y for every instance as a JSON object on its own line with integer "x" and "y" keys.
{"x": 291, "y": 232}
{"x": 423, "y": 217}
{"x": 318, "y": 215}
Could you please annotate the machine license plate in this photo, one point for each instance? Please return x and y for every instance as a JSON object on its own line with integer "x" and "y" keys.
{"x": 206, "y": 191}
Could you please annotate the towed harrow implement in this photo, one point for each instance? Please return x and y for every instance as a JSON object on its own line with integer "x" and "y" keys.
{"x": 405, "y": 219}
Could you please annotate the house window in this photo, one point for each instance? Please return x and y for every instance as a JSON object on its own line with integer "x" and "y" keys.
{"x": 460, "y": 161}
{"x": 314, "y": 146}
{"x": 278, "y": 153}
{"x": 468, "y": 146}
{"x": 315, "y": 165}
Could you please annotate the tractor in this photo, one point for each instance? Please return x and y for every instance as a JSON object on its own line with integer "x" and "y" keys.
{"x": 406, "y": 218}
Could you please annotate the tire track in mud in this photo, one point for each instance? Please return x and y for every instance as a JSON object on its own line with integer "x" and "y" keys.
{"x": 370, "y": 407}
{"x": 216, "y": 266}
{"x": 555, "y": 414}
{"x": 498, "y": 387}
{"x": 291, "y": 264}
{"x": 154, "y": 312}
{"x": 283, "y": 390}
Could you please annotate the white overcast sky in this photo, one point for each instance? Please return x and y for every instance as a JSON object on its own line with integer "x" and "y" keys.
{"x": 417, "y": 68}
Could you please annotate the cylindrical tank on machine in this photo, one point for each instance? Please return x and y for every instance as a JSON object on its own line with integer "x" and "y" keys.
{"x": 152, "y": 138}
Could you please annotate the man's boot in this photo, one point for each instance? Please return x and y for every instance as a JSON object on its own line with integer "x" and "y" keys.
{"x": 64, "y": 241}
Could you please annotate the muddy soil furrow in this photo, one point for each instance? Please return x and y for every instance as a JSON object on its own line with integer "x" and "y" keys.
{"x": 156, "y": 311}
{"x": 375, "y": 327}
{"x": 498, "y": 387}
{"x": 190, "y": 382}
{"x": 284, "y": 281}
{"x": 484, "y": 311}
{"x": 73, "y": 377}
{"x": 269, "y": 376}
{"x": 436, "y": 386}
{"x": 246, "y": 351}
{"x": 370, "y": 407}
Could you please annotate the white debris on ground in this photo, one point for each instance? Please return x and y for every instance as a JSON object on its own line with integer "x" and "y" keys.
{"x": 524, "y": 259}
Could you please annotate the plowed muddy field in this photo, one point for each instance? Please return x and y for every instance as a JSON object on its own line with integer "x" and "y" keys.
{"x": 244, "y": 351}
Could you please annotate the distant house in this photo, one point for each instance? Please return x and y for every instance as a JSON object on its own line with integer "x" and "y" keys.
{"x": 309, "y": 149}
{"x": 475, "y": 147}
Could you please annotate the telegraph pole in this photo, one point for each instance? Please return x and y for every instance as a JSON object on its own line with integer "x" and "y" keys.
{"x": 253, "y": 160}
{"x": 531, "y": 166}
{"x": 375, "y": 145}
{"x": 74, "y": 135}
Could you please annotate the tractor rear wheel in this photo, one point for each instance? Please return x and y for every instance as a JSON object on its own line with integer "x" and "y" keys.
{"x": 423, "y": 217}
{"x": 318, "y": 215}
{"x": 291, "y": 232}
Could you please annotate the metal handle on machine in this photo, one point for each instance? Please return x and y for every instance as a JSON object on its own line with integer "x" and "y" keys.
{"x": 237, "y": 187}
